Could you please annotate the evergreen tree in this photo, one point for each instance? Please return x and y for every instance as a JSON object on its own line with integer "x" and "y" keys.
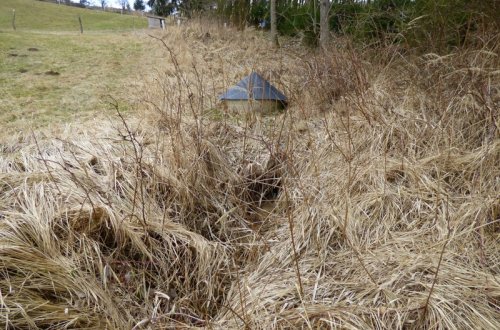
{"x": 139, "y": 5}
{"x": 162, "y": 7}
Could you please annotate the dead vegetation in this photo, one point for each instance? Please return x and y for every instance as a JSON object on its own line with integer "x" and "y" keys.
{"x": 371, "y": 203}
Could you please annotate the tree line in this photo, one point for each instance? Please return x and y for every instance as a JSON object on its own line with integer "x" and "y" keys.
{"x": 430, "y": 24}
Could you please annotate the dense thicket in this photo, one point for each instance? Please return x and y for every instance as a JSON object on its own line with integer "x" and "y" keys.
{"x": 436, "y": 25}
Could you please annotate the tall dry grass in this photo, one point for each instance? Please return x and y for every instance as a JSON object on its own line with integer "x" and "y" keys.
{"x": 371, "y": 203}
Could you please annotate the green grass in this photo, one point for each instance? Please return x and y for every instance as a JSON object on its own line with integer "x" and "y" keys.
{"x": 43, "y": 16}
{"x": 50, "y": 73}
{"x": 48, "y": 78}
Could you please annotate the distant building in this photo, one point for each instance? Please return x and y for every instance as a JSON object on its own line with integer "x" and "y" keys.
{"x": 253, "y": 93}
{"x": 156, "y": 22}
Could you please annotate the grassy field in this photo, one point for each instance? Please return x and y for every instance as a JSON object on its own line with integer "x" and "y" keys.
{"x": 49, "y": 72}
{"x": 47, "y": 78}
{"x": 43, "y": 16}
{"x": 370, "y": 203}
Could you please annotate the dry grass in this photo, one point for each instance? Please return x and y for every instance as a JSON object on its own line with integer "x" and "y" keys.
{"x": 371, "y": 203}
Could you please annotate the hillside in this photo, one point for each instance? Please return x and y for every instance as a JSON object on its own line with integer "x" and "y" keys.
{"x": 50, "y": 73}
{"x": 44, "y": 16}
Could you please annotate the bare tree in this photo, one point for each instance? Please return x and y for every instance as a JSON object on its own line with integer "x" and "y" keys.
{"x": 103, "y": 4}
{"x": 324, "y": 28}
{"x": 274, "y": 27}
{"x": 123, "y": 4}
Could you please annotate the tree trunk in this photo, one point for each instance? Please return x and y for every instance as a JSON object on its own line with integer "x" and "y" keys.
{"x": 324, "y": 28}
{"x": 274, "y": 26}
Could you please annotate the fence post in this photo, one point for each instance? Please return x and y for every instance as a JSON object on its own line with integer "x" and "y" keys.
{"x": 14, "y": 19}
{"x": 81, "y": 25}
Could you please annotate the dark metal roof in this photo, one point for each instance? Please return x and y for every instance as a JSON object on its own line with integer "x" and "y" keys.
{"x": 253, "y": 87}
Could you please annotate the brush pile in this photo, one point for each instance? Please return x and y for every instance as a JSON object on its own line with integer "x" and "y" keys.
{"x": 377, "y": 207}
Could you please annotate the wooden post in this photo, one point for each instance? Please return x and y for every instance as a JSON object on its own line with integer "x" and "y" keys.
{"x": 81, "y": 25}
{"x": 14, "y": 19}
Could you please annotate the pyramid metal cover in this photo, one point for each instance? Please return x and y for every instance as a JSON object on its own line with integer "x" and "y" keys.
{"x": 253, "y": 87}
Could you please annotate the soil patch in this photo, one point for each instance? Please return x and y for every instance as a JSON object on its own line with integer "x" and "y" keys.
{"x": 52, "y": 73}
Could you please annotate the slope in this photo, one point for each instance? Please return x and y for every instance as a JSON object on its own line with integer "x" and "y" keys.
{"x": 37, "y": 15}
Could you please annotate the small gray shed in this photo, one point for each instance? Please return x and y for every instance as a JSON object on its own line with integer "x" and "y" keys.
{"x": 253, "y": 93}
{"x": 156, "y": 22}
